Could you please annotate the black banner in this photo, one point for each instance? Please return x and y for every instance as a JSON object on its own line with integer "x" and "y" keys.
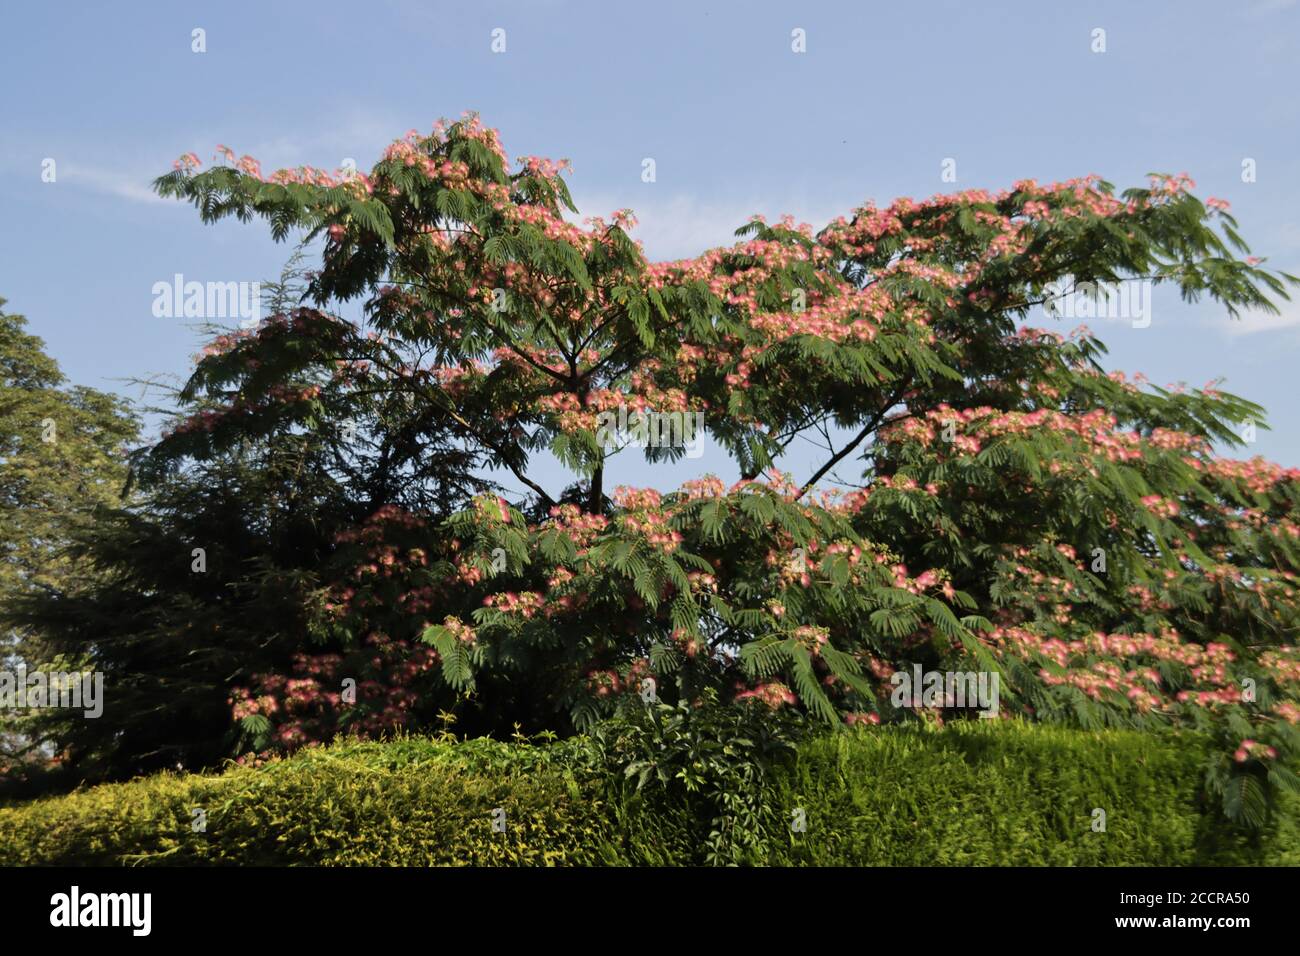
{"x": 338, "y": 905}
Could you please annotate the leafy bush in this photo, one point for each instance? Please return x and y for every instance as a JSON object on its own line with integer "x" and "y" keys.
{"x": 668, "y": 788}
{"x": 1015, "y": 794}
{"x": 708, "y": 763}
{"x": 411, "y": 802}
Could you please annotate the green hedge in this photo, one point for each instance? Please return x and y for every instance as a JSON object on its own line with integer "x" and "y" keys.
{"x": 1007, "y": 793}
{"x": 410, "y": 802}
{"x": 973, "y": 794}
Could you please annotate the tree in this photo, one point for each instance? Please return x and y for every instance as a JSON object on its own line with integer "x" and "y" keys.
{"x": 62, "y": 456}
{"x": 208, "y": 577}
{"x": 996, "y": 462}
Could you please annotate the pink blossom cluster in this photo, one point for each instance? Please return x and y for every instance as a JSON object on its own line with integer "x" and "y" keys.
{"x": 1253, "y": 749}
{"x": 773, "y": 693}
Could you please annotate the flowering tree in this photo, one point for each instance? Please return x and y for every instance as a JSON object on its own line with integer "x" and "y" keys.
{"x": 1008, "y": 506}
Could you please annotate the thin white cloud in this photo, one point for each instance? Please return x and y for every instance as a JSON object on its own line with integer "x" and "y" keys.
{"x": 358, "y": 136}
{"x": 23, "y": 160}
{"x": 1253, "y": 323}
{"x": 131, "y": 186}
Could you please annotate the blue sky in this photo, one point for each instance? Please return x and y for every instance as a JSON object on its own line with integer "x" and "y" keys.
{"x": 736, "y": 122}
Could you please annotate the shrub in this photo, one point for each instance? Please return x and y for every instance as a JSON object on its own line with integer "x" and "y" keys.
{"x": 411, "y": 802}
{"x": 1014, "y": 794}
{"x": 965, "y": 795}
{"x": 705, "y": 771}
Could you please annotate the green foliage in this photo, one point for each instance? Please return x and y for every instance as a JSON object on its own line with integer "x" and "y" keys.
{"x": 410, "y": 802}
{"x": 62, "y": 454}
{"x": 169, "y": 636}
{"x": 62, "y": 457}
{"x": 668, "y": 788}
{"x": 1006, "y": 793}
{"x": 716, "y": 759}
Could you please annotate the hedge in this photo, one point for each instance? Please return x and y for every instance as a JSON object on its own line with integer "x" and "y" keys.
{"x": 1012, "y": 794}
{"x": 971, "y": 794}
{"x": 409, "y": 802}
